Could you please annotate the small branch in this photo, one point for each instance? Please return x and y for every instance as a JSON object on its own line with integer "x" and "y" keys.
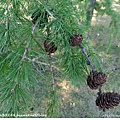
{"x": 27, "y": 46}
{"x": 88, "y": 58}
{"x": 24, "y": 54}
{"x": 42, "y": 63}
{"x": 34, "y": 27}
{"x": 33, "y": 60}
{"x": 50, "y": 14}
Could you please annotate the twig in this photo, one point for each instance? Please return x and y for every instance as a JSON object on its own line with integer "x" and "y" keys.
{"x": 24, "y": 54}
{"x": 27, "y": 46}
{"x": 42, "y": 63}
{"x": 34, "y": 27}
{"x": 50, "y": 14}
{"x": 88, "y": 58}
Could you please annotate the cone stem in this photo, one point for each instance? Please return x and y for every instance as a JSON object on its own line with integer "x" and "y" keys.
{"x": 100, "y": 91}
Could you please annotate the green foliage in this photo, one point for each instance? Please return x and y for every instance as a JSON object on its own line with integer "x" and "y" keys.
{"x": 52, "y": 110}
{"x": 23, "y": 60}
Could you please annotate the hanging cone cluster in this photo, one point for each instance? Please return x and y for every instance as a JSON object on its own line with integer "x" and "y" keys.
{"x": 96, "y": 80}
{"x": 49, "y": 47}
{"x": 108, "y": 100}
{"x": 75, "y": 40}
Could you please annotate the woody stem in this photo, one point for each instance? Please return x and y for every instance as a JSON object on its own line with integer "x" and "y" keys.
{"x": 88, "y": 58}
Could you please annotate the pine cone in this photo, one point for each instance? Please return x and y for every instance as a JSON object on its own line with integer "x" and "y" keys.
{"x": 75, "y": 40}
{"x": 49, "y": 47}
{"x": 108, "y": 100}
{"x": 96, "y": 80}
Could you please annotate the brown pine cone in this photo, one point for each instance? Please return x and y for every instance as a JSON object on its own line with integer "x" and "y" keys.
{"x": 49, "y": 47}
{"x": 108, "y": 100}
{"x": 96, "y": 80}
{"x": 75, "y": 40}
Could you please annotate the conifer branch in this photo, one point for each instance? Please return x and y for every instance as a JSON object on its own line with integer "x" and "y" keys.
{"x": 7, "y": 34}
{"x": 33, "y": 29}
{"x": 88, "y": 58}
{"x": 27, "y": 46}
{"x": 42, "y": 63}
{"x": 24, "y": 54}
{"x": 50, "y": 14}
